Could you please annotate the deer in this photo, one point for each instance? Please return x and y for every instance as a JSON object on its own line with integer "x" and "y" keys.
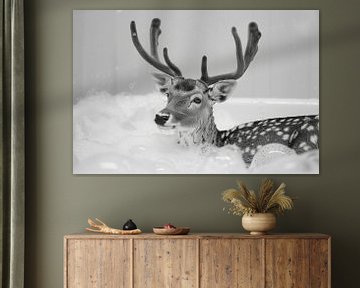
{"x": 189, "y": 108}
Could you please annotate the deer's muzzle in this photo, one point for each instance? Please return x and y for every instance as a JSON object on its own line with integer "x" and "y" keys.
{"x": 161, "y": 118}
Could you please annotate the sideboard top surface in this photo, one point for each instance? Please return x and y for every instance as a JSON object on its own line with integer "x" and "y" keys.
{"x": 87, "y": 235}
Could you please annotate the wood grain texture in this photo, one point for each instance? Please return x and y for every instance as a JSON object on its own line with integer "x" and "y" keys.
{"x": 165, "y": 263}
{"x": 197, "y": 260}
{"x": 231, "y": 263}
{"x": 319, "y": 263}
{"x": 287, "y": 263}
{"x": 88, "y": 235}
{"x": 98, "y": 264}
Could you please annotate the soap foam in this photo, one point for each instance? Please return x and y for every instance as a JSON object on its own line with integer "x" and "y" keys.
{"x": 116, "y": 134}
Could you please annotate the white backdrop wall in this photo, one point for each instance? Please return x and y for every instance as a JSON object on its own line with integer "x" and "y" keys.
{"x": 286, "y": 65}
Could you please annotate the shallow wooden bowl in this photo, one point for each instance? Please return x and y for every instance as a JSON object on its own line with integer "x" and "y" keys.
{"x": 171, "y": 231}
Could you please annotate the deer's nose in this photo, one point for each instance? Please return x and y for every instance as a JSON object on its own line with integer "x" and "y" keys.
{"x": 161, "y": 118}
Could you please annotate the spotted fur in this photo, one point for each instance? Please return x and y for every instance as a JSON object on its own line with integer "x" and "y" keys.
{"x": 196, "y": 124}
{"x": 292, "y": 132}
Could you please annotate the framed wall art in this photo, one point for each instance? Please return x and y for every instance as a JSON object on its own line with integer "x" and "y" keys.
{"x": 195, "y": 92}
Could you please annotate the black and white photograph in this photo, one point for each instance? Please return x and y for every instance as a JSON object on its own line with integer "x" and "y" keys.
{"x": 196, "y": 92}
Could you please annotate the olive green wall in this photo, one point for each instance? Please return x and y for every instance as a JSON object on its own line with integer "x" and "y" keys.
{"x": 59, "y": 203}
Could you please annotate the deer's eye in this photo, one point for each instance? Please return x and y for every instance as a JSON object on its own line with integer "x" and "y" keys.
{"x": 197, "y": 100}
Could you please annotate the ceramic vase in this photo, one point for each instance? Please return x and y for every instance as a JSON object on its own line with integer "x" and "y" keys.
{"x": 259, "y": 223}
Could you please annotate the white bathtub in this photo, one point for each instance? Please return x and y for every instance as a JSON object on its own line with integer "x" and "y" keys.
{"x": 237, "y": 110}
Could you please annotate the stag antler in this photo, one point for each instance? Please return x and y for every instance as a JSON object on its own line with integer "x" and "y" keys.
{"x": 243, "y": 61}
{"x": 171, "y": 69}
{"x": 101, "y": 227}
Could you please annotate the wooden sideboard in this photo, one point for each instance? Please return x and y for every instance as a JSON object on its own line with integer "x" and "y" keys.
{"x": 197, "y": 260}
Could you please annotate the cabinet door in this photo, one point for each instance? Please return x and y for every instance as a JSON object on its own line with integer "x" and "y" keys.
{"x": 320, "y": 263}
{"x": 98, "y": 263}
{"x": 165, "y": 263}
{"x": 287, "y": 263}
{"x": 231, "y": 263}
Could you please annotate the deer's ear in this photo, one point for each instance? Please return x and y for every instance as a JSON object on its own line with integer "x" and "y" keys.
{"x": 164, "y": 81}
{"x": 220, "y": 91}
